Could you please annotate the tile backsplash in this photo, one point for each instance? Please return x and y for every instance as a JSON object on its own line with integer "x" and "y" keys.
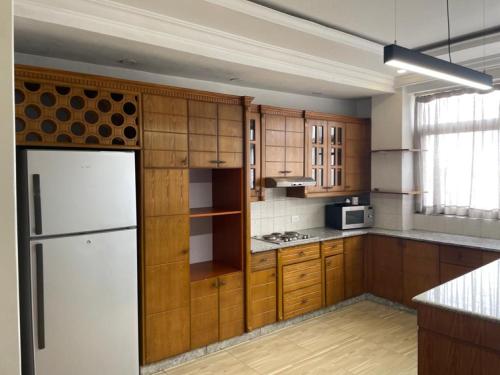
{"x": 280, "y": 213}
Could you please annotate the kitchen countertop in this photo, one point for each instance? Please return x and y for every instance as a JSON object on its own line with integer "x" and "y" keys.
{"x": 476, "y": 293}
{"x": 323, "y": 234}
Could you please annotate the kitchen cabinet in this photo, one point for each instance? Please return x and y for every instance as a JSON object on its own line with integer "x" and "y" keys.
{"x": 165, "y": 135}
{"x": 354, "y": 266}
{"x": 215, "y": 135}
{"x": 299, "y": 280}
{"x": 357, "y": 156}
{"x": 325, "y": 155}
{"x": 282, "y": 142}
{"x": 254, "y": 153}
{"x": 262, "y": 298}
{"x": 387, "y": 267}
{"x": 216, "y": 309}
{"x": 420, "y": 269}
{"x": 490, "y": 256}
{"x": 456, "y": 261}
{"x": 332, "y": 254}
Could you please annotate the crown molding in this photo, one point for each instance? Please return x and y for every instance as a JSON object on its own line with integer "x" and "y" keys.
{"x": 299, "y": 24}
{"x": 123, "y": 21}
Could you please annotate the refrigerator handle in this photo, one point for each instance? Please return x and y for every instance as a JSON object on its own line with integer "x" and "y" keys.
{"x": 37, "y": 204}
{"x": 39, "y": 296}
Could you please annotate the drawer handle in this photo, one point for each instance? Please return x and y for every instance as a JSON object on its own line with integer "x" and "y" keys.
{"x": 221, "y": 283}
{"x": 184, "y": 252}
{"x": 301, "y": 254}
{"x": 215, "y": 284}
{"x": 328, "y": 263}
{"x": 302, "y": 275}
{"x": 262, "y": 260}
{"x": 184, "y": 161}
{"x": 304, "y": 301}
{"x": 273, "y": 274}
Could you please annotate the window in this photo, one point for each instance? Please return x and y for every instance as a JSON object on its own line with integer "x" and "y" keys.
{"x": 460, "y": 171}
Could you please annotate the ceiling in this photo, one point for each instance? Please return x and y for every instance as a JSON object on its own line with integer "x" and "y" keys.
{"x": 248, "y": 44}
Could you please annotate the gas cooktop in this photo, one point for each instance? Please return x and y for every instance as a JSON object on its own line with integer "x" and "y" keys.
{"x": 281, "y": 238}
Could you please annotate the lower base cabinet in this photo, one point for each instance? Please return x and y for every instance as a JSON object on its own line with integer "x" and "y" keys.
{"x": 334, "y": 279}
{"x": 387, "y": 267}
{"x": 354, "y": 266}
{"x": 262, "y": 301}
{"x": 216, "y": 309}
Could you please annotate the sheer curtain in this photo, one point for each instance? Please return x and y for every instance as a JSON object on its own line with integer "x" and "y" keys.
{"x": 460, "y": 171}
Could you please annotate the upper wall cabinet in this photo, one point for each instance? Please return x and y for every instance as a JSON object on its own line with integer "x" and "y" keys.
{"x": 63, "y": 109}
{"x": 282, "y": 142}
{"x": 215, "y": 135}
{"x": 253, "y": 151}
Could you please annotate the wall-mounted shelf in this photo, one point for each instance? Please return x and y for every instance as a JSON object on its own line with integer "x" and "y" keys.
{"x": 411, "y": 192}
{"x": 206, "y": 270}
{"x": 399, "y": 150}
{"x": 211, "y": 211}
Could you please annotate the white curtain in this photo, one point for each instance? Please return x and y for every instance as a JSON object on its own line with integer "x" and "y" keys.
{"x": 460, "y": 171}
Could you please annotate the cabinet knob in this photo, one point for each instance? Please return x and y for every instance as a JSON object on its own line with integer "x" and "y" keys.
{"x": 221, "y": 162}
{"x": 184, "y": 251}
{"x": 304, "y": 301}
{"x": 221, "y": 283}
{"x": 262, "y": 260}
{"x": 302, "y": 275}
{"x": 215, "y": 284}
{"x": 301, "y": 254}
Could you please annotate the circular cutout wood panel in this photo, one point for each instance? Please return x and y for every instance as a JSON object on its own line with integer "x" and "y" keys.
{"x": 62, "y": 114}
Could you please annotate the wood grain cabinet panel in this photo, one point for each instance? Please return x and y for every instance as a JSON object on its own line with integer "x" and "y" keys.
{"x": 204, "y": 312}
{"x": 301, "y": 301}
{"x": 461, "y": 256}
{"x": 231, "y": 315}
{"x": 298, "y": 254}
{"x": 387, "y": 267}
{"x": 301, "y": 275}
{"x": 334, "y": 279}
{"x": 202, "y": 109}
{"x": 420, "y": 269}
{"x": 165, "y": 159}
{"x": 490, "y": 256}
{"x": 167, "y": 334}
{"x": 202, "y": 126}
{"x": 449, "y": 271}
{"x": 358, "y": 157}
{"x": 354, "y": 266}
{"x": 164, "y": 105}
{"x": 264, "y": 260}
{"x": 160, "y": 185}
{"x": 166, "y": 239}
{"x": 262, "y": 299}
{"x": 163, "y": 122}
{"x": 332, "y": 247}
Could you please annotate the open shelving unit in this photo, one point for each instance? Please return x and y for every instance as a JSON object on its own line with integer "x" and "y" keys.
{"x": 216, "y": 228}
{"x": 410, "y": 192}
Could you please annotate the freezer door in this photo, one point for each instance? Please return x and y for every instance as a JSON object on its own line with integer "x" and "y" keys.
{"x": 84, "y": 301}
{"x": 80, "y": 191}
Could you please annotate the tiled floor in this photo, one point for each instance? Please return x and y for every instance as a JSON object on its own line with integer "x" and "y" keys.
{"x": 364, "y": 338}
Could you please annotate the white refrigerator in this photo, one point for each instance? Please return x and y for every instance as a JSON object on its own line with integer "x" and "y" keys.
{"x": 78, "y": 262}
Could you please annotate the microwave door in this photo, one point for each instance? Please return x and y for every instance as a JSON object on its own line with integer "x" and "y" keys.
{"x": 353, "y": 217}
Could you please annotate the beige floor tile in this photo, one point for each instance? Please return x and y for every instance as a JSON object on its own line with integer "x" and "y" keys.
{"x": 218, "y": 363}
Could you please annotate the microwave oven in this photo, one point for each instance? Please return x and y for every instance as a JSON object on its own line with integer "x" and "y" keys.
{"x": 348, "y": 217}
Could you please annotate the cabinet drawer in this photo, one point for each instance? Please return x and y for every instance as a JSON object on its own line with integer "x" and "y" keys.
{"x": 302, "y": 301}
{"x": 262, "y": 277}
{"x": 332, "y": 247}
{"x": 460, "y": 256}
{"x": 297, "y": 254}
{"x": 301, "y": 275}
{"x": 334, "y": 261}
{"x": 263, "y": 260}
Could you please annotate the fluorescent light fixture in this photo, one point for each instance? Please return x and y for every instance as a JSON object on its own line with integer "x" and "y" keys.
{"x": 404, "y": 58}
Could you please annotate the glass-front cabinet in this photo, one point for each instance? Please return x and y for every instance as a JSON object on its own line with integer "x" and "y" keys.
{"x": 325, "y": 151}
{"x": 253, "y": 152}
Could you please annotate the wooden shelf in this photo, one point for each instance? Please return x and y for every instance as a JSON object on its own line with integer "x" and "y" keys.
{"x": 399, "y": 150}
{"x": 206, "y": 270}
{"x": 211, "y": 211}
{"x": 412, "y": 192}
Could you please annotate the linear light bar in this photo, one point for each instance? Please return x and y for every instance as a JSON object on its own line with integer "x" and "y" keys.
{"x": 417, "y": 62}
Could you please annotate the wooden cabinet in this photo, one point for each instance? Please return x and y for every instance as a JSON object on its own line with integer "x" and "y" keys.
{"x": 282, "y": 143}
{"x": 490, "y": 256}
{"x": 216, "y": 309}
{"x": 262, "y": 290}
{"x": 456, "y": 261}
{"x": 357, "y": 156}
{"x": 334, "y": 279}
{"x": 254, "y": 153}
{"x": 325, "y": 155}
{"x": 165, "y": 138}
{"x": 299, "y": 280}
{"x": 420, "y": 269}
{"x": 387, "y": 267}
{"x": 160, "y": 185}
{"x": 215, "y": 135}
{"x": 354, "y": 266}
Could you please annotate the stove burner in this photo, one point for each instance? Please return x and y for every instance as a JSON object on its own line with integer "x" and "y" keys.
{"x": 288, "y": 236}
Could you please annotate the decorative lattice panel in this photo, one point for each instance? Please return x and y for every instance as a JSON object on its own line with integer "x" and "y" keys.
{"x": 63, "y": 115}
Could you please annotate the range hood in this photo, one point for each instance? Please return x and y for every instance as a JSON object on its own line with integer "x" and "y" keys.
{"x": 278, "y": 182}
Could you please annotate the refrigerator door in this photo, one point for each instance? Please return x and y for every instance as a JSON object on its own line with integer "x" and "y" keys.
{"x": 85, "y": 309}
{"x": 80, "y": 191}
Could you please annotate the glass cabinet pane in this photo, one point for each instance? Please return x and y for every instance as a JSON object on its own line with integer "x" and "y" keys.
{"x": 313, "y": 174}
{"x": 332, "y": 157}
{"x": 313, "y": 134}
{"x": 252, "y": 154}
{"x": 313, "y": 157}
{"x": 252, "y": 178}
{"x": 320, "y": 135}
{"x": 332, "y": 135}
{"x": 252, "y": 130}
{"x": 320, "y": 177}
{"x": 339, "y": 136}
{"x": 339, "y": 157}
{"x": 339, "y": 177}
{"x": 319, "y": 158}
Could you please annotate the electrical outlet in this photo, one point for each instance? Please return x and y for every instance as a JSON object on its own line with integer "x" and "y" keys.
{"x": 295, "y": 218}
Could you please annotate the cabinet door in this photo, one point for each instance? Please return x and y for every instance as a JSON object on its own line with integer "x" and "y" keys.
{"x": 230, "y": 136}
{"x": 254, "y": 154}
{"x": 387, "y": 267}
{"x": 353, "y": 266}
{"x": 420, "y": 269}
{"x": 202, "y": 134}
{"x": 357, "y": 156}
{"x": 294, "y": 141}
{"x": 316, "y": 159}
{"x": 231, "y": 316}
{"x": 166, "y": 192}
{"x": 336, "y": 155}
{"x": 204, "y": 312}
{"x": 449, "y": 271}
{"x": 334, "y": 279}
{"x": 262, "y": 309}
{"x": 273, "y": 145}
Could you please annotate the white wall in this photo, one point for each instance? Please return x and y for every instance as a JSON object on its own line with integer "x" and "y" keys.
{"x": 9, "y": 313}
{"x": 268, "y": 97}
